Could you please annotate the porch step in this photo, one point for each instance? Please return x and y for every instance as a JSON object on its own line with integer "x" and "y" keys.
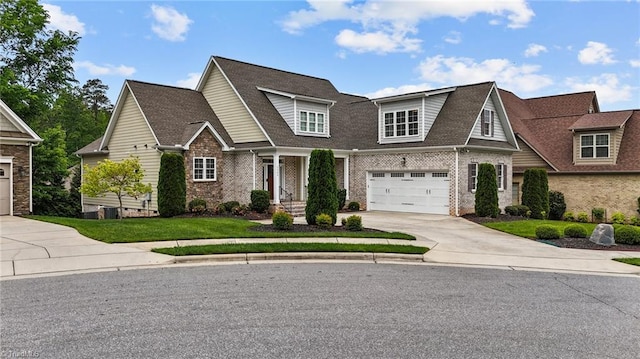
{"x": 295, "y": 208}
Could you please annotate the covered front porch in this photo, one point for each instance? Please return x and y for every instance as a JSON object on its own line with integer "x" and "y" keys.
{"x": 287, "y": 182}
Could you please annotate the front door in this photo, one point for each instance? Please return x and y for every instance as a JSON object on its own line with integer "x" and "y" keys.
{"x": 268, "y": 175}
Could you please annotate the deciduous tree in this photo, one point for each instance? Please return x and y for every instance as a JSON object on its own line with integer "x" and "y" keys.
{"x": 120, "y": 178}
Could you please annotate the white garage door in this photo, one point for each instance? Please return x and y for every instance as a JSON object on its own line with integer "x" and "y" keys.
{"x": 420, "y": 192}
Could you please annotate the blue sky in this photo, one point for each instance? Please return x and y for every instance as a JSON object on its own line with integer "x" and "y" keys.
{"x": 372, "y": 48}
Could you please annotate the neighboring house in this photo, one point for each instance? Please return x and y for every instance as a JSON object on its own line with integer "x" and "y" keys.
{"x": 251, "y": 127}
{"x": 592, "y": 157}
{"x": 16, "y": 143}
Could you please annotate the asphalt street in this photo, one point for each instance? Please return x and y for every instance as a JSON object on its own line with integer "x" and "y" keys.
{"x": 337, "y": 310}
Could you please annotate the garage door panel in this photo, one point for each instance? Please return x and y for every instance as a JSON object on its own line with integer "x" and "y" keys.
{"x": 422, "y": 192}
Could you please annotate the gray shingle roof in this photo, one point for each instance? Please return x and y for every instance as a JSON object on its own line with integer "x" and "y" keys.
{"x": 172, "y": 112}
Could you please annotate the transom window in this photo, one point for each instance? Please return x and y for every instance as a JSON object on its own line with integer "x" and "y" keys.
{"x": 204, "y": 168}
{"x": 401, "y": 123}
{"x": 594, "y": 146}
{"x": 487, "y": 122}
{"x": 311, "y": 122}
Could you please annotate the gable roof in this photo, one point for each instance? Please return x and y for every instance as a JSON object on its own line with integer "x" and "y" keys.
{"x": 551, "y": 136}
{"x": 174, "y": 114}
{"x": 21, "y": 132}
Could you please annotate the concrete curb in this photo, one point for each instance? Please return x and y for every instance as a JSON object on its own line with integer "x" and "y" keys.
{"x": 288, "y": 256}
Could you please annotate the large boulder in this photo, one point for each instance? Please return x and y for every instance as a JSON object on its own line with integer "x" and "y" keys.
{"x": 603, "y": 235}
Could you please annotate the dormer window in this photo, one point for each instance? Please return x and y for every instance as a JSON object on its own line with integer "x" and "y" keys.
{"x": 487, "y": 122}
{"x": 401, "y": 123}
{"x": 594, "y": 146}
{"x": 311, "y": 122}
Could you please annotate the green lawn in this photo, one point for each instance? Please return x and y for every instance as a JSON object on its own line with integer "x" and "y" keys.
{"x": 634, "y": 261}
{"x": 290, "y": 247}
{"x": 527, "y": 227}
{"x": 164, "y": 229}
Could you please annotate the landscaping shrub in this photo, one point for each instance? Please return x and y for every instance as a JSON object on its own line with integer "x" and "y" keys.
{"x": 228, "y": 206}
{"x": 172, "y": 185}
{"x": 523, "y": 211}
{"x": 557, "y": 205}
{"x": 197, "y": 205}
{"x": 282, "y": 220}
{"x": 219, "y": 209}
{"x": 546, "y": 231}
{"x": 598, "y": 214}
{"x": 354, "y": 223}
{"x": 342, "y": 198}
{"x": 638, "y": 210}
{"x": 239, "y": 210}
{"x": 568, "y": 216}
{"x": 511, "y": 210}
{"x": 634, "y": 221}
{"x": 618, "y": 218}
{"x": 627, "y": 235}
{"x": 343, "y": 221}
{"x": 516, "y": 210}
{"x": 535, "y": 191}
{"x": 486, "y": 197}
{"x": 260, "y": 200}
{"x": 353, "y": 206}
{"x": 583, "y": 217}
{"x": 324, "y": 221}
{"x": 575, "y": 231}
{"x": 323, "y": 188}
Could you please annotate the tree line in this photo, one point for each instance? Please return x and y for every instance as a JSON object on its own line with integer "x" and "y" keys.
{"x": 37, "y": 82}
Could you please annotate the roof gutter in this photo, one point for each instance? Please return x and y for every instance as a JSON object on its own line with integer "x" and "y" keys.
{"x": 175, "y": 147}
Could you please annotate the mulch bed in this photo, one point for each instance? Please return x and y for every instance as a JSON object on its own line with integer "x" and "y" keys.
{"x": 578, "y": 243}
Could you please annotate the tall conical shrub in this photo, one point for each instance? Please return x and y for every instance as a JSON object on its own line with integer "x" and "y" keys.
{"x": 535, "y": 192}
{"x": 323, "y": 186}
{"x": 172, "y": 186}
{"x": 486, "y": 204}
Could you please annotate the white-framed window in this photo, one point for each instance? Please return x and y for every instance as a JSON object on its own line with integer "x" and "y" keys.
{"x": 500, "y": 173}
{"x": 473, "y": 176}
{"x": 487, "y": 122}
{"x": 312, "y": 122}
{"x": 594, "y": 145}
{"x": 401, "y": 123}
{"x": 204, "y": 168}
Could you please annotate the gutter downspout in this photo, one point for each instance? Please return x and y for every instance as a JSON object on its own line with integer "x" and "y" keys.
{"x": 457, "y": 184}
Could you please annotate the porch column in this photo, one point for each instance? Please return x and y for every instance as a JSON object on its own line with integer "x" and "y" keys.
{"x": 301, "y": 178}
{"x": 346, "y": 174}
{"x": 307, "y": 160}
{"x": 276, "y": 178}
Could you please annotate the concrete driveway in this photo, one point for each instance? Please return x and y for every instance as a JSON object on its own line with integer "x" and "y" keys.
{"x": 29, "y": 247}
{"x": 458, "y": 241}
{"x": 34, "y": 247}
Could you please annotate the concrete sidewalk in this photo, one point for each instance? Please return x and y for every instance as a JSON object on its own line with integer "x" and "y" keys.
{"x": 34, "y": 247}
{"x": 29, "y": 247}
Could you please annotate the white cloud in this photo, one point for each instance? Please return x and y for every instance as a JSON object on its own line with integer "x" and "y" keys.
{"x": 596, "y": 53}
{"x": 191, "y": 81}
{"x": 64, "y": 22}
{"x": 107, "y": 69}
{"x": 634, "y": 63}
{"x": 169, "y": 24}
{"x": 607, "y": 86}
{"x": 393, "y": 21}
{"x": 391, "y": 91}
{"x": 534, "y": 50}
{"x": 453, "y": 71}
{"x": 453, "y": 37}
{"x": 378, "y": 41}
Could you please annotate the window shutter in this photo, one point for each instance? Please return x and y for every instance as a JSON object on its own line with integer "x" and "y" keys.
{"x": 504, "y": 177}
{"x": 469, "y": 178}
{"x": 493, "y": 120}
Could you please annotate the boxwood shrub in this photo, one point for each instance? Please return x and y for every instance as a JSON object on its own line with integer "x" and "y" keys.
{"x": 354, "y": 223}
{"x": 575, "y": 231}
{"x": 259, "y": 200}
{"x": 568, "y": 217}
{"x": 282, "y": 220}
{"x": 583, "y": 217}
{"x": 627, "y": 235}
{"x": 546, "y": 231}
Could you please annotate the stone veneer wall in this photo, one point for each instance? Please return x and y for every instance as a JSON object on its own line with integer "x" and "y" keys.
{"x": 205, "y": 145}
{"x": 583, "y": 192}
{"x": 361, "y": 164}
{"x": 20, "y": 154}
